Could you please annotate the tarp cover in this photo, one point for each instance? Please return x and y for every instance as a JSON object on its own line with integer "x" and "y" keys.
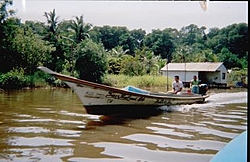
{"x": 136, "y": 90}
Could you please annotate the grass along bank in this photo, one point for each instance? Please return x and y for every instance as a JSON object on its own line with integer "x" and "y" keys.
{"x": 144, "y": 81}
{"x": 16, "y": 79}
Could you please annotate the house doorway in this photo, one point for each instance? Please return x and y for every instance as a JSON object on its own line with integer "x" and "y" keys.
{"x": 202, "y": 77}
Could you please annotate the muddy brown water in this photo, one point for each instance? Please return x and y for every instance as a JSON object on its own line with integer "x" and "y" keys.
{"x": 52, "y": 125}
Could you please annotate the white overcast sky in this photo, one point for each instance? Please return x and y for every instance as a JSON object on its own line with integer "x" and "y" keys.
{"x": 147, "y": 15}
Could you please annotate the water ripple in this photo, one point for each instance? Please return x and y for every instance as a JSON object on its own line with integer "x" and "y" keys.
{"x": 201, "y": 130}
{"x": 38, "y": 141}
{"x": 165, "y": 142}
{"x": 52, "y": 125}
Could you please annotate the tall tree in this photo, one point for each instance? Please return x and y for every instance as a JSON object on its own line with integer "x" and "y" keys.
{"x": 4, "y": 12}
{"x": 57, "y": 58}
{"x": 127, "y": 42}
{"x": 238, "y": 39}
{"x": 192, "y": 34}
{"x": 92, "y": 61}
{"x": 22, "y": 48}
{"x": 9, "y": 58}
{"x": 33, "y": 50}
{"x": 52, "y": 21}
{"x": 230, "y": 44}
{"x": 182, "y": 54}
{"x": 230, "y": 60}
{"x": 80, "y": 28}
{"x": 110, "y": 36}
{"x": 161, "y": 43}
{"x": 138, "y": 35}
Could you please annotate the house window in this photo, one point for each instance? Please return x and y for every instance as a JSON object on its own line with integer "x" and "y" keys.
{"x": 223, "y": 76}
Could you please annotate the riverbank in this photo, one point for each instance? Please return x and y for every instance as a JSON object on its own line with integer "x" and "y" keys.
{"x": 163, "y": 89}
{"x": 155, "y": 83}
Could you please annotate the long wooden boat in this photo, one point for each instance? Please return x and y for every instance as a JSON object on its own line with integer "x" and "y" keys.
{"x": 103, "y": 100}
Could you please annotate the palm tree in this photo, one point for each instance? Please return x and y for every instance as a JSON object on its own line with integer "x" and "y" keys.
{"x": 182, "y": 54}
{"x": 57, "y": 57}
{"x": 52, "y": 20}
{"x": 80, "y": 28}
{"x": 149, "y": 60}
{"x": 4, "y": 12}
{"x": 117, "y": 52}
{"x": 206, "y": 56}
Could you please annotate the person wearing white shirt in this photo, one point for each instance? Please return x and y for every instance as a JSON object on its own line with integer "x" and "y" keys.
{"x": 177, "y": 85}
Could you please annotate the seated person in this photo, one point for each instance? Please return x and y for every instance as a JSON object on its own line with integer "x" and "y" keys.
{"x": 194, "y": 85}
{"x": 177, "y": 85}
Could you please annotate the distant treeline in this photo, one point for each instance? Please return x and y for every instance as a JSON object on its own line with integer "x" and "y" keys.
{"x": 78, "y": 48}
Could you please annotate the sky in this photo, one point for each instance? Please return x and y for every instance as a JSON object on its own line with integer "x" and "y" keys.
{"x": 136, "y": 14}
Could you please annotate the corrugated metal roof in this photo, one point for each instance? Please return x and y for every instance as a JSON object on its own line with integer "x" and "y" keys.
{"x": 192, "y": 66}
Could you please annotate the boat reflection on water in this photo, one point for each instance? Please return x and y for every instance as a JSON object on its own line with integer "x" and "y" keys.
{"x": 121, "y": 118}
{"x": 105, "y": 120}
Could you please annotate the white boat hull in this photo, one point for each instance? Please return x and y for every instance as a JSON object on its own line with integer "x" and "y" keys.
{"x": 99, "y": 101}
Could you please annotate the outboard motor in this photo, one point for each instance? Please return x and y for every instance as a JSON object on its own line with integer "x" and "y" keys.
{"x": 203, "y": 89}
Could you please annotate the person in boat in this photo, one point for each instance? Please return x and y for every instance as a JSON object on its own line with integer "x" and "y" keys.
{"x": 194, "y": 85}
{"x": 177, "y": 85}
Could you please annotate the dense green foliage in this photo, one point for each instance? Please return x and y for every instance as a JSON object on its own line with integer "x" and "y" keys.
{"x": 238, "y": 76}
{"x": 90, "y": 52}
{"x": 92, "y": 62}
{"x": 16, "y": 79}
{"x": 13, "y": 79}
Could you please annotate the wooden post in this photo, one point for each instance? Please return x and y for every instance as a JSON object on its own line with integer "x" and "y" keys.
{"x": 167, "y": 77}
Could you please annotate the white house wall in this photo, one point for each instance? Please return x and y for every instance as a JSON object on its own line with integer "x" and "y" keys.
{"x": 222, "y": 70}
{"x": 184, "y": 76}
{"x": 216, "y": 77}
{"x": 211, "y": 75}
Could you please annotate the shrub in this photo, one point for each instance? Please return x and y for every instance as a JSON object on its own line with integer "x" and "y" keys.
{"x": 13, "y": 79}
{"x": 92, "y": 61}
{"x": 237, "y": 75}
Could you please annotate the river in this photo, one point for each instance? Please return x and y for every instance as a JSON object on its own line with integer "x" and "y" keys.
{"x": 51, "y": 125}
